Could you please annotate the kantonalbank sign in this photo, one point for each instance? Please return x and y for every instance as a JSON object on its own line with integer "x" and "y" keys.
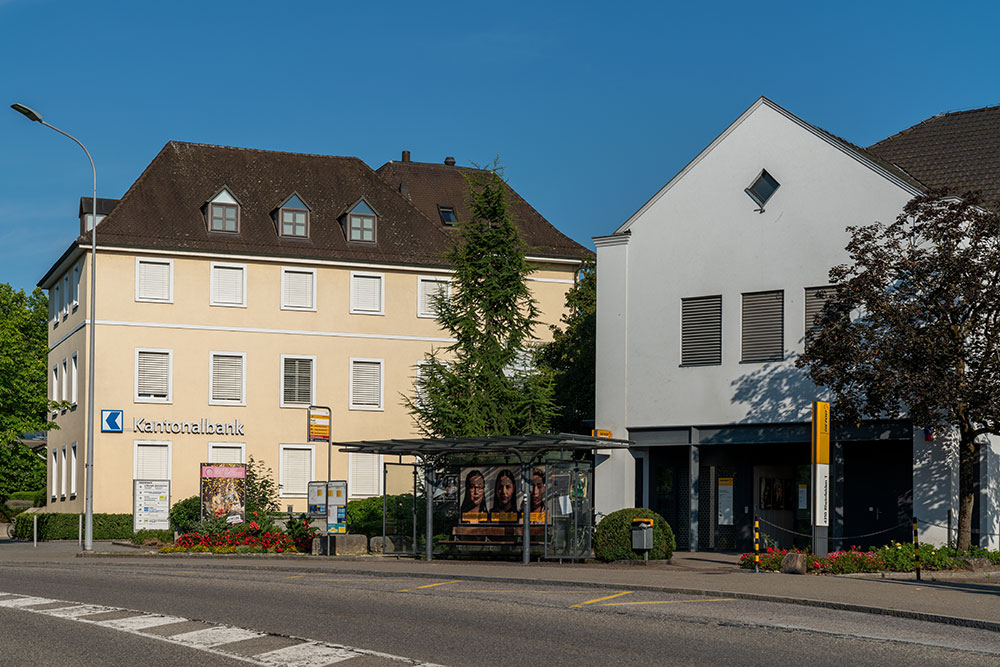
{"x": 202, "y": 427}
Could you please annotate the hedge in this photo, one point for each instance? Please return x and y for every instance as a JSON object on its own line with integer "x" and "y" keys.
{"x": 613, "y": 538}
{"x": 53, "y": 526}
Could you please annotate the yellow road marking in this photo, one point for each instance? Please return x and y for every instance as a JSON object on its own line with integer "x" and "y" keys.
{"x": 607, "y": 597}
{"x": 480, "y": 590}
{"x": 440, "y": 583}
{"x": 296, "y": 576}
{"x": 622, "y": 604}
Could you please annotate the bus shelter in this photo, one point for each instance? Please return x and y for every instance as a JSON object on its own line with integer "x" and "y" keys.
{"x": 528, "y": 450}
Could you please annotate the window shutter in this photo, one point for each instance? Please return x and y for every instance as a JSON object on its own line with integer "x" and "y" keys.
{"x": 151, "y": 461}
{"x": 297, "y": 381}
{"x": 227, "y": 378}
{"x": 366, "y": 293}
{"x": 763, "y": 318}
{"x": 154, "y": 280}
{"x": 366, "y": 384}
{"x": 365, "y": 475}
{"x": 428, "y": 289}
{"x": 225, "y": 454}
{"x": 297, "y": 289}
{"x": 701, "y": 331}
{"x": 816, "y": 298}
{"x": 296, "y": 468}
{"x": 227, "y": 285}
{"x": 154, "y": 374}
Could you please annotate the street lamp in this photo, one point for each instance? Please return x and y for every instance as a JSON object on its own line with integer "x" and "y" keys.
{"x": 88, "y": 529}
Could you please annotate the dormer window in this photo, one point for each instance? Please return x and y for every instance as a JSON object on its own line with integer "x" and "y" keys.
{"x": 293, "y": 218}
{"x": 762, "y": 188}
{"x": 224, "y": 213}
{"x": 361, "y": 223}
{"x": 447, "y": 214}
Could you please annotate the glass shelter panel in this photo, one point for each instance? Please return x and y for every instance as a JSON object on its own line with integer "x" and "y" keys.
{"x": 569, "y": 505}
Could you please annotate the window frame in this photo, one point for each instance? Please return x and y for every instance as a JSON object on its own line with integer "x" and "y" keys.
{"x": 281, "y": 469}
{"x": 281, "y": 222}
{"x": 72, "y": 471}
{"x": 170, "y": 457}
{"x": 75, "y": 385}
{"x": 765, "y": 175}
{"x": 428, "y": 279}
{"x": 354, "y": 310}
{"x": 67, "y": 292}
{"x": 62, "y": 474}
{"x": 211, "y": 217}
{"x": 170, "y": 376}
{"x": 211, "y": 285}
{"x": 701, "y": 364}
{"x": 54, "y": 477}
{"x": 77, "y": 271}
{"x": 362, "y": 217}
{"x": 442, "y": 208}
{"x": 211, "y": 378}
{"x": 312, "y": 381}
{"x": 292, "y": 269}
{"x": 170, "y": 279}
{"x": 381, "y": 385}
{"x": 65, "y": 388}
{"x": 352, "y": 482}
{"x": 781, "y": 332}
{"x": 231, "y": 445}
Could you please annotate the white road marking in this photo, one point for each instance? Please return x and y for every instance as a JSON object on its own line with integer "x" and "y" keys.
{"x": 305, "y": 655}
{"x": 212, "y": 640}
{"x": 215, "y": 636}
{"x": 140, "y": 622}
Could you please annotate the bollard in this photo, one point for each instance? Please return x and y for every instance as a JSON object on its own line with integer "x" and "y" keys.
{"x": 916, "y": 548}
{"x": 34, "y": 530}
{"x": 756, "y": 546}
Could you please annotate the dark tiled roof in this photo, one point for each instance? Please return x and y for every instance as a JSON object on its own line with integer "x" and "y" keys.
{"x": 430, "y": 185}
{"x": 954, "y": 152}
{"x": 164, "y": 208}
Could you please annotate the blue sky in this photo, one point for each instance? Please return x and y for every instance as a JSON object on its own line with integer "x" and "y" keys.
{"x": 592, "y": 107}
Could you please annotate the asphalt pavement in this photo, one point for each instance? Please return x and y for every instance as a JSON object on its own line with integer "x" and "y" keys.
{"x": 970, "y": 599}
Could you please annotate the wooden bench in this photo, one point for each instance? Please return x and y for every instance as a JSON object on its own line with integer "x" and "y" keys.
{"x": 485, "y": 535}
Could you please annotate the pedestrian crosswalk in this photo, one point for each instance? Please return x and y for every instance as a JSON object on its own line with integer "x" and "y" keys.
{"x": 215, "y": 638}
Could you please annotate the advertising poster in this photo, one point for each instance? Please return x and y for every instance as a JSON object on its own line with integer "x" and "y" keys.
{"x": 151, "y": 505}
{"x": 492, "y": 494}
{"x": 725, "y": 517}
{"x": 223, "y": 491}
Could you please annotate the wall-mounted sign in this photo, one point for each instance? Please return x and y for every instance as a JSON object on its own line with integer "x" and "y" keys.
{"x": 112, "y": 421}
{"x": 600, "y": 433}
{"x": 151, "y": 504}
{"x": 725, "y": 501}
{"x": 202, "y": 427}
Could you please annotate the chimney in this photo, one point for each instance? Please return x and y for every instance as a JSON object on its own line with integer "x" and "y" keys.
{"x": 450, "y": 161}
{"x": 406, "y": 156}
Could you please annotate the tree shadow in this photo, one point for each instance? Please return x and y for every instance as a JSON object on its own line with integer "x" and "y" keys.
{"x": 776, "y": 392}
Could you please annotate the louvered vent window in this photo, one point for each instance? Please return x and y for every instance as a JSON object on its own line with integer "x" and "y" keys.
{"x": 227, "y": 379}
{"x": 296, "y": 471}
{"x": 429, "y": 288}
{"x": 152, "y": 281}
{"x": 366, "y": 385}
{"x": 816, "y": 298}
{"x": 297, "y": 290}
{"x": 701, "y": 331}
{"x": 152, "y": 376}
{"x": 365, "y": 475}
{"x": 763, "y": 320}
{"x": 228, "y": 283}
{"x": 152, "y": 461}
{"x": 296, "y": 381}
{"x": 366, "y": 293}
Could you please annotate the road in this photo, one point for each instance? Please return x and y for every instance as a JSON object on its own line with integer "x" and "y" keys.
{"x": 164, "y": 612}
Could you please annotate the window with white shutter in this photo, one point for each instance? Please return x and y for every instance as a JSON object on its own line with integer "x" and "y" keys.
{"x": 297, "y": 462}
{"x": 229, "y": 285}
{"x": 367, "y": 293}
{"x": 68, "y": 294}
{"x": 75, "y": 384}
{"x": 152, "y": 460}
{"x": 225, "y": 452}
{"x": 297, "y": 380}
{"x": 701, "y": 331}
{"x": 816, "y": 298}
{"x": 364, "y": 475}
{"x": 76, "y": 285}
{"x": 55, "y": 384}
{"x": 72, "y": 470}
{"x": 62, "y": 475}
{"x": 228, "y": 378}
{"x": 366, "y": 384}
{"x": 54, "y": 473}
{"x": 298, "y": 289}
{"x": 152, "y": 376}
{"x": 65, "y": 380}
{"x": 763, "y": 325}
{"x": 154, "y": 280}
{"x": 427, "y": 289}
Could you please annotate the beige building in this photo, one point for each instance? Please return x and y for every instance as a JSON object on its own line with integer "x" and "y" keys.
{"x": 236, "y": 287}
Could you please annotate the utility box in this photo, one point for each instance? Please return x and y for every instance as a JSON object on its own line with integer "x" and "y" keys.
{"x": 642, "y": 534}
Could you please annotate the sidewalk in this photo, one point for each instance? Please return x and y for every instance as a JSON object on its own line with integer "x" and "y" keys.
{"x": 967, "y": 599}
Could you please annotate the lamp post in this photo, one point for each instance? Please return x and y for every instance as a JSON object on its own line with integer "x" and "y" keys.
{"x": 88, "y": 530}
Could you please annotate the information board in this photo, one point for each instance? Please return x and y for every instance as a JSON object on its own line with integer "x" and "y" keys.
{"x": 317, "y": 500}
{"x": 151, "y": 504}
{"x": 318, "y": 424}
{"x": 336, "y": 507}
{"x": 725, "y": 501}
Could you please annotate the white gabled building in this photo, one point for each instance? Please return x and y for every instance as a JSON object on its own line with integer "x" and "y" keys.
{"x": 704, "y": 297}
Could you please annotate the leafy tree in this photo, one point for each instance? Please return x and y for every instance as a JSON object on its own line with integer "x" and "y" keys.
{"x": 24, "y": 406}
{"x": 913, "y": 327}
{"x": 262, "y": 492}
{"x": 572, "y": 354}
{"x": 484, "y": 383}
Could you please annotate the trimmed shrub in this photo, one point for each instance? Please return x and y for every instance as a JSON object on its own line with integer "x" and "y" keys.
{"x": 364, "y": 517}
{"x": 27, "y": 495}
{"x": 613, "y": 539}
{"x": 53, "y": 526}
{"x": 153, "y": 538}
{"x": 185, "y": 514}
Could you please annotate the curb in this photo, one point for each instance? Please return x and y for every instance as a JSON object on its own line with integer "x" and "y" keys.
{"x": 756, "y": 597}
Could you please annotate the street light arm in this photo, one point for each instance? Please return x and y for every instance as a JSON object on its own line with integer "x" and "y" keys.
{"x": 92, "y": 167}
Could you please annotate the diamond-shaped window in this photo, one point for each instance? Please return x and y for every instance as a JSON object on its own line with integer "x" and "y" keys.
{"x": 762, "y": 188}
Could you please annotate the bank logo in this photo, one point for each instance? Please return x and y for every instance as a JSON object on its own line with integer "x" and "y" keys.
{"x": 112, "y": 421}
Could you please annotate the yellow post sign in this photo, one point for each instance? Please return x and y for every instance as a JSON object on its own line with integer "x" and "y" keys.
{"x": 319, "y": 424}
{"x": 601, "y": 434}
{"x": 821, "y": 463}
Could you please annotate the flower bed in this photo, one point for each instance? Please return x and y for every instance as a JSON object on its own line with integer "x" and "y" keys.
{"x": 894, "y": 557}
{"x": 259, "y": 535}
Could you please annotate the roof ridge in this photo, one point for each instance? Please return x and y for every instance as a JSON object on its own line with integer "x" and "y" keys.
{"x": 264, "y": 150}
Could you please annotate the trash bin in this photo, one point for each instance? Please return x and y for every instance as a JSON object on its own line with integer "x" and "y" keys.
{"x": 642, "y": 535}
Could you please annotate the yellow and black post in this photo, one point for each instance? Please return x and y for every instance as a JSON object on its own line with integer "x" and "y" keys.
{"x": 916, "y": 548}
{"x": 756, "y": 546}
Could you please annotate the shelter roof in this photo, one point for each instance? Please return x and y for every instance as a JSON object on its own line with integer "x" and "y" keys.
{"x": 494, "y": 444}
